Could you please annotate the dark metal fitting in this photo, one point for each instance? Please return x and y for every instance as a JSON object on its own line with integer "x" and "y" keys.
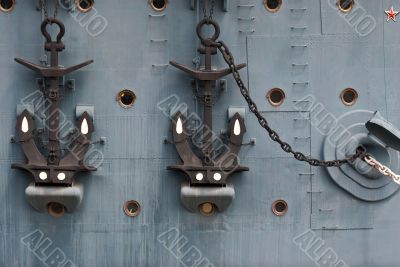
{"x": 58, "y": 45}
{"x": 208, "y": 41}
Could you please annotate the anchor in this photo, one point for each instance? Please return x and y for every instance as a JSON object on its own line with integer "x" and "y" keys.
{"x": 208, "y": 174}
{"x": 53, "y": 168}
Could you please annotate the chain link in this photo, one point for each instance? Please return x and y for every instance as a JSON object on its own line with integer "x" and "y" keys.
{"x": 228, "y": 57}
{"x": 205, "y": 6}
{"x": 385, "y": 170}
{"x": 43, "y": 7}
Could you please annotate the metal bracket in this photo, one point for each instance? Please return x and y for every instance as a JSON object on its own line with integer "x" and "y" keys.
{"x": 22, "y": 107}
{"x": 39, "y": 197}
{"x": 69, "y": 84}
{"x": 225, "y": 4}
{"x": 193, "y": 196}
{"x": 233, "y": 110}
{"x": 81, "y": 109}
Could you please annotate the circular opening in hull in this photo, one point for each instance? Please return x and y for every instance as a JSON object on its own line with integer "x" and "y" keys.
{"x": 272, "y": 5}
{"x": 84, "y": 5}
{"x": 378, "y": 152}
{"x": 349, "y": 96}
{"x": 126, "y": 98}
{"x": 158, "y": 5}
{"x": 56, "y": 210}
{"x": 345, "y": 5}
{"x": 207, "y": 208}
{"x": 132, "y": 208}
{"x": 7, "y": 5}
{"x": 279, "y": 207}
{"x": 276, "y": 97}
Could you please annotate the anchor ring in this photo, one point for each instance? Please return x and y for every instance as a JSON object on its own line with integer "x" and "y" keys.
{"x": 46, "y": 34}
{"x": 214, "y": 24}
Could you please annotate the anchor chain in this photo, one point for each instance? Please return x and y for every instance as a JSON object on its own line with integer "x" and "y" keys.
{"x": 43, "y": 7}
{"x": 385, "y": 170}
{"x": 205, "y": 6}
{"x": 228, "y": 57}
{"x": 360, "y": 153}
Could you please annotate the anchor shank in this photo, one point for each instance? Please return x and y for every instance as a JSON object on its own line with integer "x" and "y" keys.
{"x": 54, "y": 56}
{"x": 207, "y": 119}
{"x": 53, "y": 122}
{"x": 208, "y": 95}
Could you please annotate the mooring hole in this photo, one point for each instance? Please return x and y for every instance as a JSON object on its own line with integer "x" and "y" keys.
{"x": 132, "y": 208}
{"x": 158, "y": 5}
{"x": 7, "y": 5}
{"x": 279, "y": 207}
{"x": 345, "y": 5}
{"x": 349, "y": 96}
{"x": 272, "y": 5}
{"x": 85, "y": 5}
{"x": 276, "y": 96}
{"x": 207, "y": 208}
{"x": 126, "y": 98}
{"x": 56, "y": 209}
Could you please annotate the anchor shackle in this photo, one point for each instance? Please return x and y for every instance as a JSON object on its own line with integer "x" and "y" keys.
{"x": 49, "y": 42}
{"x": 211, "y": 40}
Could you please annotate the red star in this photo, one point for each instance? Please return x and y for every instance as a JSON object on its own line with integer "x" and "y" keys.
{"x": 391, "y": 14}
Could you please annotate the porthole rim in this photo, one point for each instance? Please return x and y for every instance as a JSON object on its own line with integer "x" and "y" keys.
{"x": 55, "y": 214}
{"x": 156, "y": 8}
{"x": 118, "y": 98}
{"x": 14, "y": 2}
{"x": 84, "y": 10}
{"x": 132, "y": 214}
{"x": 275, "y": 211}
{"x": 272, "y": 10}
{"x": 214, "y": 207}
{"x": 343, "y": 10}
{"x": 355, "y": 96}
{"x": 276, "y": 104}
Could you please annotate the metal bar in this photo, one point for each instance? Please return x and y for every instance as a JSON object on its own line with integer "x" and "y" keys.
{"x": 243, "y": 18}
{"x": 298, "y": 9}
{"x": 156, "y": 15}
{"x": 249, "y": 5}
{"x": 159, "y": 65}
{"x": 158, "y": 40}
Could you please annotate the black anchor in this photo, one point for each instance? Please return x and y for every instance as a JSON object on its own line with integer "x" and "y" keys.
{"x": 208, "y": 170}
{"x": 53, "y": 168}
